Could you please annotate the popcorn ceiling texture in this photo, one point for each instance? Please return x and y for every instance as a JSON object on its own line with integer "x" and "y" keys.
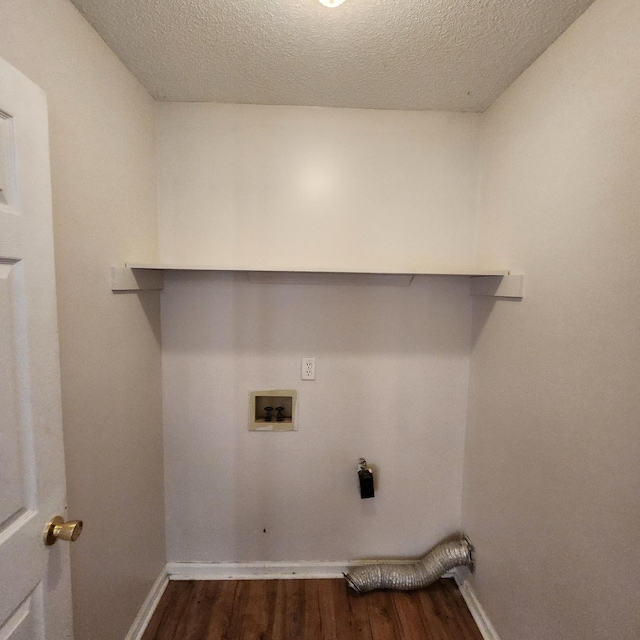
{"x": 456, "y": 55}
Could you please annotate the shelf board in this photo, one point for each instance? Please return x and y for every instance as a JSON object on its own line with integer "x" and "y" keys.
{"x": 381, "y": 272}
{"x": 495, "y": 283}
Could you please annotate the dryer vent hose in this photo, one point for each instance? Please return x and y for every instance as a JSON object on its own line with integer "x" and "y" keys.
{"x": 405, "y": 577}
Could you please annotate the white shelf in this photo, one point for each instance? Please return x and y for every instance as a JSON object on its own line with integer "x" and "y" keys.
{"x": 381, "y": 272}
{"x": 146, "y": 276}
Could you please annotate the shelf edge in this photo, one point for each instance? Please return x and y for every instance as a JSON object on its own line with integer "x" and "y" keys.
{"x": 257, "y": 270}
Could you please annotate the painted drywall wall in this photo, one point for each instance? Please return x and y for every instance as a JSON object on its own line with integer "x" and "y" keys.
{"x": 552, "y": 480}
{"x": 317, "y": 188}
{"x": 104, "y": 205}
{"x": 391, "y": 386}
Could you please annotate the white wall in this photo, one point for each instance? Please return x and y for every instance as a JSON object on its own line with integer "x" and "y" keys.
{"x": 104, "y": 205}
{"x": 552, "y": 473}
{"x": 319, "y": 188}
{"x": 392, "y": 372}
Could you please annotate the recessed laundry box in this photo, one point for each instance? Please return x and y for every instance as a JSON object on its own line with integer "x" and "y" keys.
{"x": 272, "y": 410}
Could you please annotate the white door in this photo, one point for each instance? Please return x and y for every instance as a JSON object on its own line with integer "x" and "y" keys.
{"x": 35, "y": 601}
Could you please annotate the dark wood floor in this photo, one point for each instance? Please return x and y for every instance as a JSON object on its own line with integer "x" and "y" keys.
{"x": 308, "y": 610}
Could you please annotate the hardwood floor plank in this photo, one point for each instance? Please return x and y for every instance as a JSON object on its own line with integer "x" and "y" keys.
{"x": 451, "y": 619}
{"x": 240, "y": 610}
{"x": 257, "y": 616}
{"x": 162, "y": 610}
{"x": 383, "y": 618}
{"x": 327, "y": 609}
{"x": 431, "y": 615}
{"x": 359, "y": 616}
{"x": 182, "y": 591}
{"x": 409, "y": 618}
{"x": 271, "y": 608}
{"x": 279, "y": 609}
{"x": 224, "y": 594}
{"x": 458, "y": 607}
{"x": 335, "y": 609}
{"x": 294, "y": 610}
{"x": 195, "y": 615}
{"x": 312, "y": 625}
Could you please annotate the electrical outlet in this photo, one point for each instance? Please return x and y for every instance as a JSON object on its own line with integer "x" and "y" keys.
{"x": 308, "y": 369}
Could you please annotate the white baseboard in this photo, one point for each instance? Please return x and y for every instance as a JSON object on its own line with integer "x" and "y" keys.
{"x": 148, "y": 606}
{"x": 265, "y": 570}
{"x": 461, "y": 576}
{"x": 255, "y": 570}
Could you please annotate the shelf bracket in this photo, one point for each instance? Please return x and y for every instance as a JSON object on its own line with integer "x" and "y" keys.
{"x": 126, "y": 279}
{"x": 511, "y": 286}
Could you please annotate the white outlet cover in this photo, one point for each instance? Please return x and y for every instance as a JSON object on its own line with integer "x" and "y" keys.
{"x": 308, "y": 371}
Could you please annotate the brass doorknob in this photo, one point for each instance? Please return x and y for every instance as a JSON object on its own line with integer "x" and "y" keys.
{"x": 58, "y": 529}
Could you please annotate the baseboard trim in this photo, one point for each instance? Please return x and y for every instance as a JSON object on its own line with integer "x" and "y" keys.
{"x": 265, "y": 570}
{"x": 487, "y": 631}
{"x": 148, "y": 606}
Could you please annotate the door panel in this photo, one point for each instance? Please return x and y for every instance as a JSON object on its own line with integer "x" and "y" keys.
{"x": 22, "y": 624}
{"x": 13, "y": 498}
{"x": 34, "y": 579}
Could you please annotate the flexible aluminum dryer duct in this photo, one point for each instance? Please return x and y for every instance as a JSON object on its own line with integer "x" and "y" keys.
{"x": 405, "y": 577}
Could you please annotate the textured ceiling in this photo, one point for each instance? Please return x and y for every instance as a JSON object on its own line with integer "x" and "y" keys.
{"x": 456, "y": 55}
